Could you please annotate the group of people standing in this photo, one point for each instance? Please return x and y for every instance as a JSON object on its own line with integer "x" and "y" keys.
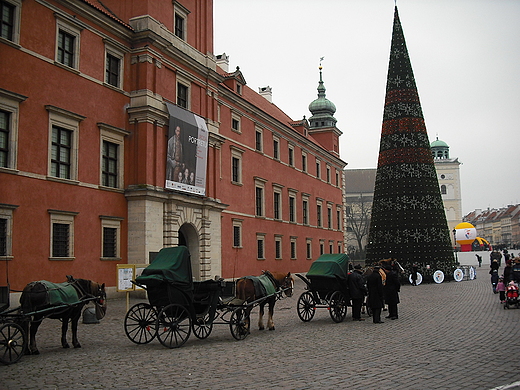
{"x": 381, "y": 286}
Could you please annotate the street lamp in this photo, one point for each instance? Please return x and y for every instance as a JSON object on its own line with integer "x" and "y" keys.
{"x": 455, "y": 245}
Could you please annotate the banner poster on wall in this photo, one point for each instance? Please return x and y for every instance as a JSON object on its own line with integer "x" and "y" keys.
{"x": 187, "y": 151}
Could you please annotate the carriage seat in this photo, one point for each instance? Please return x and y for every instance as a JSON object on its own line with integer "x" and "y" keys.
{"x": 203, "y": 292}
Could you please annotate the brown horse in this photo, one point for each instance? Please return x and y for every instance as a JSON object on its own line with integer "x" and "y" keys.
{"x": 246, "y": 291}
{"x": 64, "y": 302}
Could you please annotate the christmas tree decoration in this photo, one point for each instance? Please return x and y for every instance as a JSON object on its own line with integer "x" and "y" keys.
{"x": 408, "y": 220}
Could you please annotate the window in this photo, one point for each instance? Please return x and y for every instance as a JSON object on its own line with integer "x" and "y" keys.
{"x": 339, "y": 247}
{"x": 292, "y": 209}
{"x": 6, "y": 20}
{"x": 329, "y": 217}
{"x": 61, "y": 153}
{"x": 304, "y": 162}
{"x": 235, "y": 124}
{"x": 338, "y": 218}
{"x": 318, "y": 215}
{"x": 258, "y": 140}
{"x": 114, "y": 65}
{"x": 291, "y": 156}
{"x": 9, "y": 107}
{"x": 278, "y": 247}
{"x": 5, "y": 119}
{"x": 237, "y": 233}
{"x": 322, "y": 247}
{"x": 276, "y": 149}
{"x": 110, "y": 237}
{"x": 317, "y": 168}
{"x": 236, "y": 165}
{"x": 305, "y": 211}
{"x": 112, "y": 155}
{"x": 109, "y": 168}
{"x": 331, "y": 247}
{"x": 260, "y": 239}
{"x": 259, "y": 201}
{"x": 182, "y": 95}
{"x": 6, "y": 230}
{"x": 62, "y": 235}
{"x": 328, "y": 174}
{"x": 259, "y": 196}
{"x": 63, "y": 143}
{"x": 293, "y": 248}
{"x": 443, "y": 190}
{"x": 309, "y": 248}
{"x": 68, "y": 43}
{"x": 180, "y": 20}
{"x": 277, "y": 197}
{"x": 337, "y": 179}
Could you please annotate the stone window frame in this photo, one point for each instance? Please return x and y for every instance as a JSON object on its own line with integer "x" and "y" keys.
{"x": 73, "y": 29}
{"x": 259, "y": 139}
{"x": 304, "y": 161}
{"x": 114, "y": 223}
{"x": 17, "y": 16}
{"x": 278, "y": 243}
{"x": 10, "y": 103}
{"x": 260, "y": 183}
{"x": 117, "y": 136}
{"x": 119, "y": 53}
{"x": 290, "y": 155}
{"x": 278, "y": 189}
{"x": 236, "y": 119}
{"x": 260, "y": 246}
{"x": 294, "y": 247}
{"x": 238, "y": 154}
{"x": 70, "y": 121}
{"x": 182, "y": 12}
{"x": 293, "y": 194}
{"x": 6, "y": 212}
{"x": 276, "y": 147}
{"x": 308, "y": 248}
{"x": 66, "y": 218}
{"x": 237, "y": 223}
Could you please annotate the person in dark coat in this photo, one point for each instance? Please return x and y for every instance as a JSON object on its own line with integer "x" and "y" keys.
{"x": 375, "y": 295}
{"x": 356, "y": 285}
{"x": 392, "y": 288}
{"x": 415, "y": 269}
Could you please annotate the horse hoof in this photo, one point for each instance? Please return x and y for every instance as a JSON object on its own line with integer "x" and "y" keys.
{"x": 272, "y": 328}
{"x": 65, "y": 346}
{"x": 261, "y": 328}
{"x": 77, "y": 345}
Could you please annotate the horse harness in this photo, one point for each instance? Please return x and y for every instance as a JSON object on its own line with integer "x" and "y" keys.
{"x": 279, "y": 287}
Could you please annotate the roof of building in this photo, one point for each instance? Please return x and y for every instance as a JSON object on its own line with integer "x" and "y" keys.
{"x": 360, "y": 180}
{"x": 439, "y": 144}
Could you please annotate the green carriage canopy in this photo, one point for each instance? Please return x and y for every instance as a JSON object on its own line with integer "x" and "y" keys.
{"x": 335, "y": 264}
{"x": 173, "y": 266}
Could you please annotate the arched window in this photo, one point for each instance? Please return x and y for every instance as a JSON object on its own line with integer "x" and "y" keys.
{"x": 443, "y": 190}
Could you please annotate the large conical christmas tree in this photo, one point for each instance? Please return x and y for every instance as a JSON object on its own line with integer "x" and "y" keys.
{"x": 408, "y": 220}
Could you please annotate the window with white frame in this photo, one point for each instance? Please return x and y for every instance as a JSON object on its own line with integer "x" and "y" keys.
{"x": 278, "y": 246}
{"x": 237, "y": 233}
{"x": 277, "y": 201}
{"x": 260, "y": 197}
{"x": 331, "y": 246}
{"x": 260, "y": 246}
{"x": 291, "y": 156}
{"x": 276, "y": 148}
{"x": 235, "y": 123}
{"x": 304, "y": 161}
{"x": 319, "y": 213}
{"x": 322, "y": 247}
{"x": 305, "y": 210}
{"x": 329, "y": 216}
{"x": 110, "y": 237}
{"x": 292, "y": 205}
{"x": 328, "y": 174}
{"x": 9, "y": 109}
{"x": 259, "y": 140}
{"x": 294, "y": 254}
{"x": 63, "y": 143}
{"x": 68, "y": 36}
{"x": 180, "y": 20}
{"x": 318, "y": 168}
{"x": 62, "y": 235}
{"x": 236, "y": 165}
{"x": 308, "y": 245}
{"x": 183, "y": 93}
{"x": 112, "y": 155}
{"x": 338, "y": 218}
{"x": 10, "y": 11}
{"x": 6, "y": 231}
{"x": 114, "y": 65}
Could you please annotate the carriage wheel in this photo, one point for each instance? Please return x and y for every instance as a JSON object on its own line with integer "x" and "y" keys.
{"x": 13, "y": 342}
{"x": 202, "y": 327}
{"x": 141, "y": 323}
{"x": 239, "y": 324}
{"x": 173, "y": 325}
{"x": 306, "y": 306}
{"x": 338, "y": 307}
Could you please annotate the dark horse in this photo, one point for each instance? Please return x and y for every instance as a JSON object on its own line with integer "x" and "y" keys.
{"x": 248, "y": 292}
{"x": 36, "y": 300}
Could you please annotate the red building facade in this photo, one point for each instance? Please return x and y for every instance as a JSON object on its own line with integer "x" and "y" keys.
{"x": 84, "y": 121}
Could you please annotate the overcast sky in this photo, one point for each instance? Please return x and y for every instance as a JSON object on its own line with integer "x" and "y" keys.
{"x": 465, "y": 56}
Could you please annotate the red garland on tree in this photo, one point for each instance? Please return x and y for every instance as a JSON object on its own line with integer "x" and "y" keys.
{"x": 408, "y": 220}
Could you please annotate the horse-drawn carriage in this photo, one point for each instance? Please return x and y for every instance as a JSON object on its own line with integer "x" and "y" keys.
{"x": 178, "y": 305}
{"x": 326, "y": 287}
{"x": 43, "y": 299}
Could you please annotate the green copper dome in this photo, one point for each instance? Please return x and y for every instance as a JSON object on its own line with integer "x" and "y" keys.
{"x": 322, "y": 109}
{"x": 439, "y": 144}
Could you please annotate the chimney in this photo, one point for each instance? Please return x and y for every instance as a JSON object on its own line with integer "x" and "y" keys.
{"x": 223, "y": 62}
{"x": 266, "y": 92}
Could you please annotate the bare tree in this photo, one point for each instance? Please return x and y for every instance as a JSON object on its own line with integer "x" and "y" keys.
{"x": 358, "y": 218}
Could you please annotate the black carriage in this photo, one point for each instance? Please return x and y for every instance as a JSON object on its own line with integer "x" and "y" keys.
{"x": 326, "y": 287}
{"x": 178, "y": 305}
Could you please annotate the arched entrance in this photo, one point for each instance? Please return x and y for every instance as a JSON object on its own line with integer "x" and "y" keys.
{"x": 189, "y": 237}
